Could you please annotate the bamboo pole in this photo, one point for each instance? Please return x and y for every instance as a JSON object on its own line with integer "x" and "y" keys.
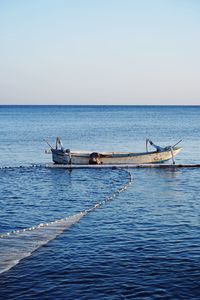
{"x": 133, "y": 166}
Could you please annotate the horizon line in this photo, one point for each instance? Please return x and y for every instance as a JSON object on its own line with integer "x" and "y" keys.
{"x": 21, "y": 104}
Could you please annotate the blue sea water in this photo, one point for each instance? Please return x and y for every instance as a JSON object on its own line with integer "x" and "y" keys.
{"x": 98, "y": 234}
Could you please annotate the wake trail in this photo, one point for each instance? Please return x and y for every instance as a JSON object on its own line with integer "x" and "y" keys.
{"x": 19, "y": 244}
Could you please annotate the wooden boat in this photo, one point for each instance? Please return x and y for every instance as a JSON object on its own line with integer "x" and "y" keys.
{"x": 62, "y": 156}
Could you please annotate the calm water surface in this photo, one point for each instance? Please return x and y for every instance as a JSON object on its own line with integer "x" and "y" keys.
{"x": 72, "y": 235}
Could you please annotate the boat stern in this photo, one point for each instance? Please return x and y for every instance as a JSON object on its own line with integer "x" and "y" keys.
{"x": 60, "y": 157}
{"x": 177, "y": 150}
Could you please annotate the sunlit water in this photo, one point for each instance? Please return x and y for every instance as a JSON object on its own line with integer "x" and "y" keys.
{"x": 90, "y": 234}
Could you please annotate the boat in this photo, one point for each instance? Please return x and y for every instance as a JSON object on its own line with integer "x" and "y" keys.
{"x": 68, "y": 157}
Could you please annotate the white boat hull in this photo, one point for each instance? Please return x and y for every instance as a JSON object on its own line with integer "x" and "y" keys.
{"x": 115, "y": 158}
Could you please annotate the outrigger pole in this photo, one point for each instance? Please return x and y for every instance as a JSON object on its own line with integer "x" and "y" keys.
{"x": 47, "y": 143}
{"x": 176, "y": 143}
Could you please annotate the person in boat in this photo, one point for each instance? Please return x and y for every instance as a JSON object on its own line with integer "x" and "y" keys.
{"x": 94, "y": 159}
{"x": 158, "y": 148}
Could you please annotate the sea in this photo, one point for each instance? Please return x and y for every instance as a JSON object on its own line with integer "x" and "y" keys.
{"x": 98, "y": 233}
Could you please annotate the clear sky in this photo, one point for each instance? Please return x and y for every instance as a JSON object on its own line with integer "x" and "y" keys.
{"x": 100, "y": 52}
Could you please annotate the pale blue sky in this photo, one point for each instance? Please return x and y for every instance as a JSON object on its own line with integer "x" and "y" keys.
{"x": 99, "y": 52}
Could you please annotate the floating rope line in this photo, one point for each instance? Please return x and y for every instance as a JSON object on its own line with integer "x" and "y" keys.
{"x": 74, "y": 217}
{"x": 104, "y": 166}
{"x": 19, "y": 244}
{"x": 21, "y": 167}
